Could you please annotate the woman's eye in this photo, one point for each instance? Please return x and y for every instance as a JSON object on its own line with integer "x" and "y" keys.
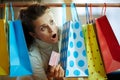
{"x": 42, "y": 28}
{"x": 51, "y": 22}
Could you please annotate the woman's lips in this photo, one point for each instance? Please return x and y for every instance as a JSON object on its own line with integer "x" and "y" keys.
{"x": 54, "y": 37}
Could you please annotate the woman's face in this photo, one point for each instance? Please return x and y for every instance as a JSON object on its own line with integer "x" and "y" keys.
{"x": 46, "y": 28}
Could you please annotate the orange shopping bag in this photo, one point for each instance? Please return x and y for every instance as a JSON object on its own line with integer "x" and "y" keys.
{"x": 4, "y": 57}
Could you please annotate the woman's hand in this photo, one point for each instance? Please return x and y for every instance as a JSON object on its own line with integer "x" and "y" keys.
{"x": 56, "y": 72}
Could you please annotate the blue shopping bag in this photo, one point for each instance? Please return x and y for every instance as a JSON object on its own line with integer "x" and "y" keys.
{"x": 73, "y": 53}
{"x": 19, "y": 59}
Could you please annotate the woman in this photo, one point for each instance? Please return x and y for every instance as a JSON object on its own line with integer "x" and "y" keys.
{"x": 41, "y": 34}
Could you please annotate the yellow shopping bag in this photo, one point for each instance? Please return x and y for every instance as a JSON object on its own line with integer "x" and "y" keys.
{"x": 4, "y": 58}
{"x": 95, "y": 64}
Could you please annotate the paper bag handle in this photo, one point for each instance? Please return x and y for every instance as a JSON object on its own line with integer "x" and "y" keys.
{"x": 87, "y": 14}
{"x": 6, "y": 12}
{"x": 74, "y": 13}
{"x": 103, "y": 10}
{"x": 63, "y": 13}
{"x": 12, "y": 11}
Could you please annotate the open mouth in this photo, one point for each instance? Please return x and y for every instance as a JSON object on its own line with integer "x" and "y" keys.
{"x": 54, "y": 36}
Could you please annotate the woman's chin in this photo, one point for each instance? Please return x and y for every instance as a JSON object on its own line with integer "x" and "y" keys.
{"x": 54, "y": 40}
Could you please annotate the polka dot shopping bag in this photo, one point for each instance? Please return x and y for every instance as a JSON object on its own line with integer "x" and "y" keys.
{"x": 73, "y": 53}
{"x": 95, "y": 64}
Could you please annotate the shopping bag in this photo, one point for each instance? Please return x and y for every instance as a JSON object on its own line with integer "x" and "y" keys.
{"x": 108, "y": 44}
{"x": 73, "y": 53}
{"x": 19, "y": 59}
{"x": 4, "y": 56}
{"x": 95, "y": 64}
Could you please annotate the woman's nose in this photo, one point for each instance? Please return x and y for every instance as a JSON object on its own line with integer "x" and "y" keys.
{"x": 51, "y": 29}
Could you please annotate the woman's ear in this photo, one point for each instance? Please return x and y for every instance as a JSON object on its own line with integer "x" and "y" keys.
{"x": 32, "y": 34}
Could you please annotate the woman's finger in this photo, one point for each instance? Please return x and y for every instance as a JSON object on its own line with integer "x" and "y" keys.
{"x": 57, "y": 73}
{"x": 61, "y": 72}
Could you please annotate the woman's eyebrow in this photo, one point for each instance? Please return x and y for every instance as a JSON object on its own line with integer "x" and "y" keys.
{"x": 43, "y": 25}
